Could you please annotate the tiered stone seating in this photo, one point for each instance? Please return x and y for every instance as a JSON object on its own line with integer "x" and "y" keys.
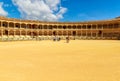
{"x": 16, "y": 37}
{"x": 4, "y": 38}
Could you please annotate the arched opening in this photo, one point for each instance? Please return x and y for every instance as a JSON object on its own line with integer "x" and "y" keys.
{"x": 0, "y": 24}
{"x": 29, "y": 26}
{"x": 11, "y": 25}
{"x": 69, "y": 33}
{"x": 93, "y": 26}
{"x": 40, "y": 32}
{"x": 59, "y": 27}
{"x": 79, "y": 33}
{"x": 104, "y": 26}
{"x": 29, "y": 33}
{"x": 79, "y": 27}
{"x": 74, "y": 33}
{"x": 64, "y": 27}
{"x": 84, "y": 27}
{"x": 64, "y": 33}
{"x": 34, "y": 34}
{"x": 89, "y": 27}
{"x": 33, "y": 26}
{"x": 45, "y": 26}
{"x": 74, "y": 27}
{"x": 93, "y": 34}
{"x": 11, "y": 32}
{"x": 69, "y": 27}
{"x": 54, "y": 33}
{"x": 39, "y": 26}
{"x": 88, "y": 34}
{"x": 104, "y": 34}
{"x": 50, "y": 33}
{"x": 0, "y": 32}
{"x": 110, "y": 26}
{"x": 5, "y": 24}
{"x": 45, "y": 33}
{"x": 5, "y": 32}
{"x": 59, "y": 33}
{"x": 17, "y": 32}
{"x": 55, "y": 27}
{"x": 99, "y": 33}
{"x": 23, "y": 25}
{"x": 50, "y": 27}
{"x": 100, "y": 26}
{"x": 23, "y": 32}
{"x": 17, "y": 25}
{"x": 116, "y": 25}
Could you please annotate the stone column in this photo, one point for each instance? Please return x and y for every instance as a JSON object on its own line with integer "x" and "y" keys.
{"x": 86, "y": 30}
{"x": 97, "y": 30}
{"x": 91, "y": 31}
{"x": 8, "y": 29}
{"x": 14, "y": 33}
{"x": 42, "y": 30}
{"x": 76, "y": 31}
{"x": 81, "y": 30}
{"x": 102, "y": 32}
{"x": 20, "y": 28}
{"x": 57, "y": 30}
{"x": 26, "y": 30}
{"x": 1, "y": 29}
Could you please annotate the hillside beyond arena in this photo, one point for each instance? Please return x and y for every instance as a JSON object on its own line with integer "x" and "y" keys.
{"x": 79, "y": 60}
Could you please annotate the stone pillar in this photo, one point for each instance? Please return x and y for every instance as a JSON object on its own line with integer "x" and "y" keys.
{"x": 1, "y": 29}
{"x": 81, "y": 30}
{"x": 76, "y": 31}
{"x": 2, "y": 33}
{"x": 91, "y": 31}
{"x": 8, "y": 32}
{"x": 102, "y": 32}
{"x": 25, "y": 32}
{"x": 20, "y": 28}
{"x": 14, "y": 33}
{"x": 86, "y": 30}
{"x": 20, "y": 32}
{"x": 8, "y": 29}
{"x": 97, "y": 30}
{"x": 42, "y": 30}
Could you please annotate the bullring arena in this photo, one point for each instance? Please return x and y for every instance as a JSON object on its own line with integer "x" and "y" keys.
{"x": 28, "y": 53}
{"x": 15, "y": 29}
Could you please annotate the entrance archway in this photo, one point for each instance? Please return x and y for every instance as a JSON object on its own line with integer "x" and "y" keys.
{"x": 54, "y": 33}
{"x": 74, "y": 33}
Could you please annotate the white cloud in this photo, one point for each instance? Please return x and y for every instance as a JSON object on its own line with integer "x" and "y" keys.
{"x": 47, "y": 10}
{"x": 2, "y": 11}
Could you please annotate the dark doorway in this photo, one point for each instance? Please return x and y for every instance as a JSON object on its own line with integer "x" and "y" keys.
{"x": 64, "y": 27}
{"x": 54, "y": 33}
{"x": 100, "y": 33}
{"x": 6, "y": 32}
{"x": 74, "y": 33}
{"x": 33, "y": 34}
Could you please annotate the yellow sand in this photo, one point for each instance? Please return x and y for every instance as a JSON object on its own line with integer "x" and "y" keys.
{"x": 79, "y": 60}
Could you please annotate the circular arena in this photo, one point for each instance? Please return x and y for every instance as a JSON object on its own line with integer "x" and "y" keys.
{"x": 93, "y": 56}
{"x": 15, "y": 29}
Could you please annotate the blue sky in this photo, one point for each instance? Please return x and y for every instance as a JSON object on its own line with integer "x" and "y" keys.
{"x": 61, "y": 10}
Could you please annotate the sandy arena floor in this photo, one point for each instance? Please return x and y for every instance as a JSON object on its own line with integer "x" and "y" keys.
{"x": 83, "y": 60}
